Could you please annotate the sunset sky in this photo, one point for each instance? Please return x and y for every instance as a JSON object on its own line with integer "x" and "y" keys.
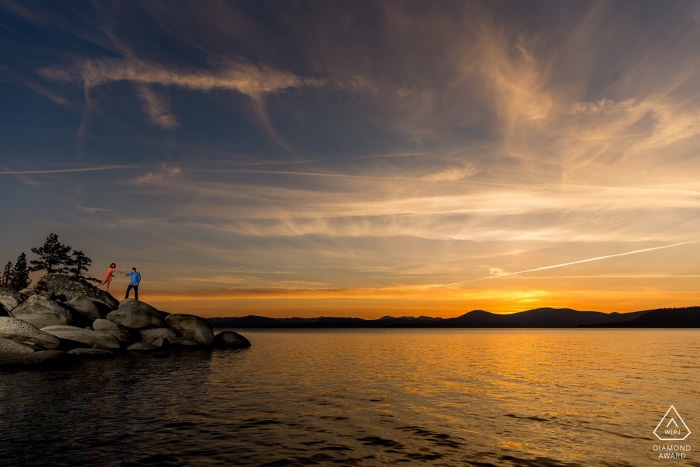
{"x": 359, "y": 158}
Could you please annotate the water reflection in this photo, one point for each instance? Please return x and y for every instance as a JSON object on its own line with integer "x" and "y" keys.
{"x": 353, "y": 397}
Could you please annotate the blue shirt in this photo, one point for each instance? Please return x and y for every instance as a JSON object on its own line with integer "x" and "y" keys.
{"x": 135, "y": 278}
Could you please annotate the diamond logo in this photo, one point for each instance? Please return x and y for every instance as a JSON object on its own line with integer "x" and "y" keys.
{"x": 672, "y": 427}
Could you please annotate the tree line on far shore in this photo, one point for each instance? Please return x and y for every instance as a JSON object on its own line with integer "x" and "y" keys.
{"x": 54, "y": 257}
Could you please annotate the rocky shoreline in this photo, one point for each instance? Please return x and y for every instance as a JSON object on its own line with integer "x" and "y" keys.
{"x": 71, "y": 319}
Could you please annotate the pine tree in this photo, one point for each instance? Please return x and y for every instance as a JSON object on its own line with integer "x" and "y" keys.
{"x": 6, "y": 279}
{"x": 53, "y": 256}
{"x": 20, "y": 274}
{"x": 79, "y": 264}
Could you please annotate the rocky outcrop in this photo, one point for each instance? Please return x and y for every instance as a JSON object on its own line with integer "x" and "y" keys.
{"x": 191, "y": 327}
{"x": 11, "y": 299}
{"x": 12, "y": 347}
{"x": 123, "y": 334}
{"x": 92, "y": 353}
{"x": 150, "y": 335}
{"x": 41, "y": 359}
{"x": 133, "y": 304}
{"x": 71, "y": 333}
{"x": 66, "y": 286}
{"x": 140, "y": 346}
{"x": 21, "y": 331}
{"x": 230, "y": 340}
{"x": 135, "y": 319}
{"x": 85, "y": 307}
{"x": 40, "y": 311}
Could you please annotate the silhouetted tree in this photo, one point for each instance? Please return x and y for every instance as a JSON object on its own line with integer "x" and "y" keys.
{"x": 79, "y": 265}
{"x": 20, "y": 274}
{"x": 53, "y": 256}
{"x": 6, "y": 279}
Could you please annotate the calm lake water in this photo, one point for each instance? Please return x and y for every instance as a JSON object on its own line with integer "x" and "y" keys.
{"x": 358, "y": 397}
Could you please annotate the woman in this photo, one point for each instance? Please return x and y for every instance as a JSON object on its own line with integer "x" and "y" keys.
{"x": 108, "y": 277}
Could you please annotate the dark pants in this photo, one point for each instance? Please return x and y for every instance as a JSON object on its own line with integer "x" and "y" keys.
{"x": 136, "y": 291}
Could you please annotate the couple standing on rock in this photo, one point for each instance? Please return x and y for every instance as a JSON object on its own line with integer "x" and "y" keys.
{"x": 133, "y": 283}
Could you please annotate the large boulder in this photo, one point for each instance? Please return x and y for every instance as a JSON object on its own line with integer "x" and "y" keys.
{"x": 11, "y": 298}
{"x": 86, "y": 307}
{"x": 42, "y": 359}
{"x": 230, "y": 340}
{"x": 135, "y": 319}
{"x": 67, "y": 286}
{"x": 133, "y": 304}
{"x": 18, "y": 330}
{"x": 122, "y": 333}
{"x": 191, "y": 327}
{"x": 40, "y": 311}
{"x": 150, "y": 335}
{"x": 10, "y": 346}
{"x": 71, "y": 333}
{"x": 92, "y": 353}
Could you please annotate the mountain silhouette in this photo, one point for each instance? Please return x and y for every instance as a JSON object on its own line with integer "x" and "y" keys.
{"x": 661, "y": 318}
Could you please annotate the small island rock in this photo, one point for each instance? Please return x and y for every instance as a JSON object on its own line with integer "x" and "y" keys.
{"x": 191, "y": 327}
{"x": 18, "y": 330}
{"x": 230, "y": 340}
{"x": 83, "y": 336}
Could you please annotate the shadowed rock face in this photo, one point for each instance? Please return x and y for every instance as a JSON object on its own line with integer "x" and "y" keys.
{"x": 135, "y": 319}
{"x": 11, "y": 298}
{"x": 230, "y": 340}
{"x": 141, "y": 346}
{"x": 8, "y": 346}
{"x": 150, "y": 335}
{"x": 40, "y": 311}
{"x": 122, "y": 333}
{"x": 3, "y": 310}
{"x": 191, "y": 327}
{"x": 18, "y": 330}
{"x": 84, "y": 336}
{"x": 86, "y": 307}
{"x": 62, "y": 284}
{"x": 41, "y": 359}
{"x": 92, "y": 353}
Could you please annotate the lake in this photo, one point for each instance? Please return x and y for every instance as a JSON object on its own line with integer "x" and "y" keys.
{"x": 526, "y": 397}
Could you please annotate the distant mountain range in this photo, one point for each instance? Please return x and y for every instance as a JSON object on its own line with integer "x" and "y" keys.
{"x": 537, "y": 318}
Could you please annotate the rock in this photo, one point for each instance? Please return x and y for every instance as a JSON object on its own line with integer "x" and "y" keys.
{"x": 3, "y": 310}
{"x": 18, "y": 330}
{"x": 135, "y": 319}
{"x": 28, "y": 292}
{"x": 92, "y": 353}
{"x": 39, "y": 311}
{"x": 43, "y": 359}
{"x": 122, "y": 333}
{"x": 162, "y": 343}
{"x": 133, "y": 304}
{"x": 182, "y": 342}
{"x": 86, "y": 307}
{"x": 142, "y": 346}
{"x": 230, "y": 340}
{"x": 11, "y": 299}
{"x": 63, "y": 284}
{"x": 150, "y": 335}
{"x": 191, "y": 327}
{"x": 11, "y": 347}
{"x": 83, "y": 336}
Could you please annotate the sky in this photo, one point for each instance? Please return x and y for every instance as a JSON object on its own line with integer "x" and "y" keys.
{"x": 328, "y": 158}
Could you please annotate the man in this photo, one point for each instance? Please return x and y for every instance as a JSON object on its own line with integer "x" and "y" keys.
{"x": 133, "y": 283}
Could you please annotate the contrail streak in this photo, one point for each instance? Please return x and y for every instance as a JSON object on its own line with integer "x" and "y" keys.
{"x": 81, "y": 169}
{"x": 598, "y": 258}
